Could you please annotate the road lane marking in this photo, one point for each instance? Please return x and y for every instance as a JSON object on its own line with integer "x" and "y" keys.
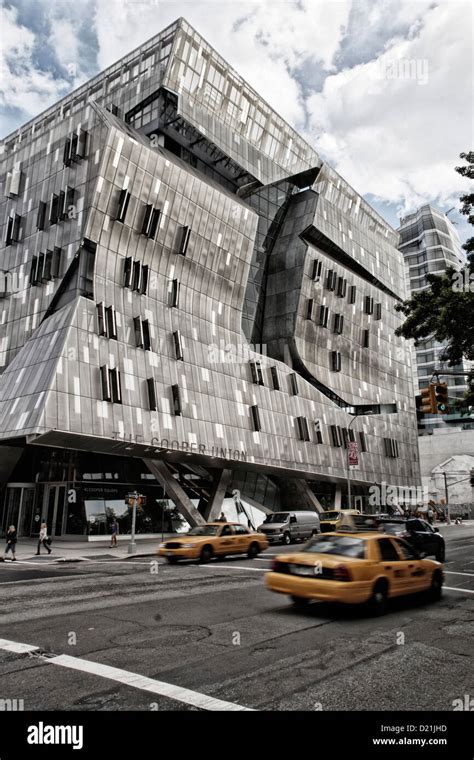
{"x": 233, "y": 567}
{"x": 454, "y": 572}
{"x": 16, "y": 646}
{"x": 455, "y": 588}
{"x": 128, "y": 678}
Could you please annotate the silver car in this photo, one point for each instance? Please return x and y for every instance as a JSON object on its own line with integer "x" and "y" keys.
{"x": 287, "y": 527}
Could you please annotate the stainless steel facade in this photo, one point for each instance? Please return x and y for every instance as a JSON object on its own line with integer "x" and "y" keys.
{"x": 187, "y": 282}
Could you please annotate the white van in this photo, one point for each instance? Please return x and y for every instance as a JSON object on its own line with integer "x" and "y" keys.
{"x": 287, "y": 527}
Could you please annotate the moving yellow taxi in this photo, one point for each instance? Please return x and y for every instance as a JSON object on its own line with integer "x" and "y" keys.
{"x": 334, "y": 519}
{"x": 354, "y": 568}
{"x": 215, "y": 539}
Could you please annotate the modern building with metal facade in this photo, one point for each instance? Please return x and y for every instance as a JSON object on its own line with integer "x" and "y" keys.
{"x": 430, "y": 244}
{"x": 193, "y": 304}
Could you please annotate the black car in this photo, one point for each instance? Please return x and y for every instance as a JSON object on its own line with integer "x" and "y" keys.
{"x": 418, "y": 533}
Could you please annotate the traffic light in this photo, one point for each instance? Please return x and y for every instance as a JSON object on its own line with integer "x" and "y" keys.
{"x": 428, "y": 401}
{"x": 441, "y": 398}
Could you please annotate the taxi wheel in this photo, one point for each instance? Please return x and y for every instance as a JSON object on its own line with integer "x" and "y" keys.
{"x": 287, "y": 539}
{"x": 206, "y": 554}
{"x": 172, "y": 560}
{"x": 252, "y": 550}
{"x": 299, "y": 601}
{"x": 436, "y": 587}
{"x": 378, "y": 600}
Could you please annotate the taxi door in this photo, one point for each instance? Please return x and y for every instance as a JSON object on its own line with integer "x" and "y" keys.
{"x": 418, "y": 576}
{"x": 242, "y": 538}
{"x": 227, "y": 540}
{"x": 394, "y": 567}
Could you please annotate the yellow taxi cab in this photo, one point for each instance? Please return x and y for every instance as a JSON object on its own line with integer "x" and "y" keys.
{"x": 354, "y": 568}
{"x": 334, "y": 519}
{"x": 214, "y": 539}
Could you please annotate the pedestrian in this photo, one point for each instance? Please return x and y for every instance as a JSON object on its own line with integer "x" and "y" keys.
{"x": 43, "y": 539}
{"x": 222, "y": 518}
{"x": 115, "y": 528}
{"x": 11, "y": 542}
{"x": 430, "y": 516}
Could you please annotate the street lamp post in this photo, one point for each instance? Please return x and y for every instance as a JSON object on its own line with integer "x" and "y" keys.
{"x": 132, "y": 547}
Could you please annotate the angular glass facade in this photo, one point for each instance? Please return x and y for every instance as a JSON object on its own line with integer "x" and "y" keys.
{"x": 193, "y": 291}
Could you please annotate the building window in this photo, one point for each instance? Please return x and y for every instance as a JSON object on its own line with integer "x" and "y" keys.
{"x": 336, "y": 436}
{"x": 352, "y": 294}
{"x": 331, "y": 280}
{"x": 335, "y": 361}
{"x": 309, "y": 309}
{"x": 317, "y": 268}
{"x": 151, "y": 394}
{"x": 54, "y": 209}
{"x": 150, "y": 221}
{"x": 369, "y": 305}
{"x": 111, "y": 385}
{"x": 135, "y": 275}
{"x": 142, "y": 333}
{"x": 256, "y": 372}
{"x": 12, "y": 184}
{"x": 34, "y": 271}
{"x": 318, "y": 431}
{"x": 176, "y": 400}
{"x": 184, "y": 240}
{"x": 75, "y": 147}
{"x": 173, "y": 293}
{"x": 365, "y": 338}
{"x": 378, "y": 311}
{"x": 178, "y": 345}
{"x": 338, "y": 325}
{"x": 127, "y": 272}
{"x": 13, "y": 229}
{"x": 303, "y": 430}
{"x": 323, "y": 316}
{"x": 275, "y": 378}
{"x": 107, "y": 323}
{"x": 124, "y": 200}
{"x": 257, "y": 425}
{"x": 341, "y": 287}
{"x": 293, "y": 383}
{"x": 41, "y": 215}
{"x": 391, "y": 448}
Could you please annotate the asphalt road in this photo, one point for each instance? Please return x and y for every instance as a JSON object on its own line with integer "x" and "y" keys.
{"x": 135, "y": 634}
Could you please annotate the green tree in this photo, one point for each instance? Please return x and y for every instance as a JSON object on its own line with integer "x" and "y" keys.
{"x": 444, "y": 312}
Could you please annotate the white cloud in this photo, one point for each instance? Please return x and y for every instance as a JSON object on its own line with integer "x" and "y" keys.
{"x": 23, "y": 85}
{"x": 398, "y": 138}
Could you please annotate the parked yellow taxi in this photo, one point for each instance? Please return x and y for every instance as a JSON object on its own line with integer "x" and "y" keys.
{"x": 353, "y": 568}
{"x": 215, "y": 539}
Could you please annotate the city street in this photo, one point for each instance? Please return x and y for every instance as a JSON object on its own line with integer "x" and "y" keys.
{"x": 136, "y": 634}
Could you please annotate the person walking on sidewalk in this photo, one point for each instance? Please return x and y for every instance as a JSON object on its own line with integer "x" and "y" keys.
{"x": 43, "y": 539}
{"x": 115, "y": 528}
{"x": 11, "y": 538}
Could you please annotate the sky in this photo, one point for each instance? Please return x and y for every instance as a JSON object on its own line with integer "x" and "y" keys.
{"x": 381, "y": 88}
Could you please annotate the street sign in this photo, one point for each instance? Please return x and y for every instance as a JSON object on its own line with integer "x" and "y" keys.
{"x": 353, "y": 454}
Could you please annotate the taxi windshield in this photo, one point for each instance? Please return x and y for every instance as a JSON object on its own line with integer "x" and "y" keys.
{"x": 346, "y": 546}
{"x": 330, "y": 515}
{"x": 203, "y": 530}
{"x": 278, "y": 517}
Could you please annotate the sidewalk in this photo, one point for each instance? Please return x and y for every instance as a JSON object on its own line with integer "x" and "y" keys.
{"x": 75, "y": 551}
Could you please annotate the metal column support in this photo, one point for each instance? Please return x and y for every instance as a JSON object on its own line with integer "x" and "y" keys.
{"x": 216, "y": 500}
{"x": 175, "y": 492}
